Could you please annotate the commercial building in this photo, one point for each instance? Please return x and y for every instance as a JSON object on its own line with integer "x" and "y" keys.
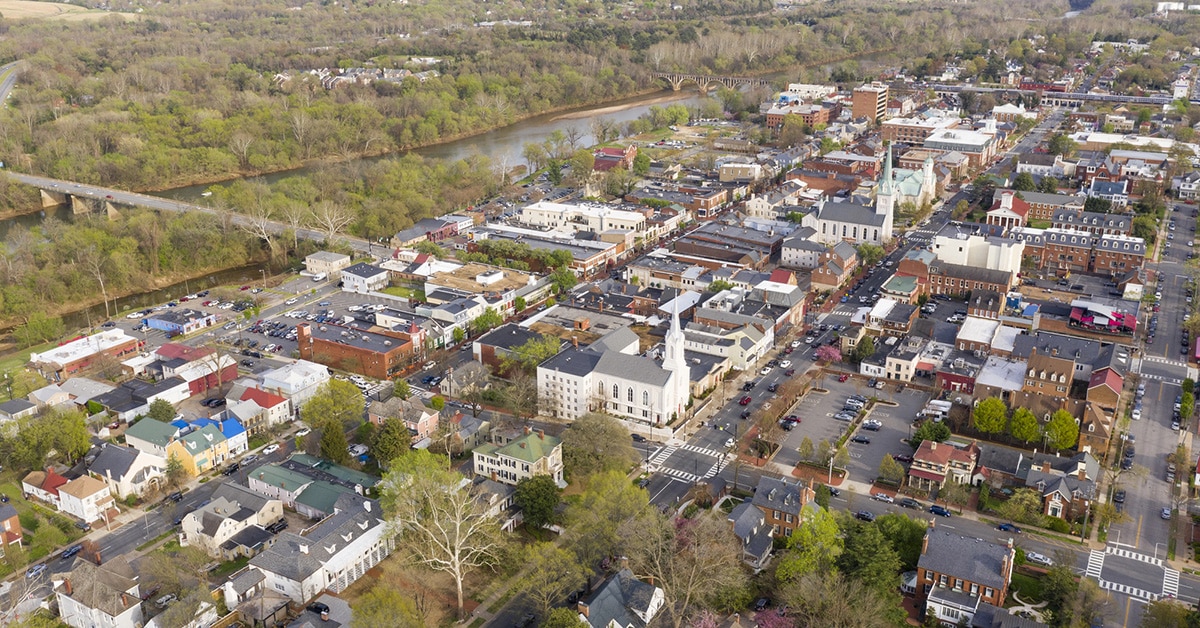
{"x": 326, "y": 263}
{"x": 363, "y": 278}
{"x": 72, "y": 357}
{"x": 378, "y": 355}
{"x": 179, "y": 321}
{"x": 870, "y": 102}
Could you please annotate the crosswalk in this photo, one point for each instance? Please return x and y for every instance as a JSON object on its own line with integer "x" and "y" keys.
{"x": 1161, "y": 360}
{"x": 1124, "y": 553}
{"x": 1170, "y": 583}
{"x": 1159, "y": 378}
{"x": 656, "y": 460}
{"x": 1095, "y": 564}
{"x": 1133, "y": 592}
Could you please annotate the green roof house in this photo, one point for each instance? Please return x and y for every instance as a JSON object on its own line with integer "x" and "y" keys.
{"x": 533, "y": 453}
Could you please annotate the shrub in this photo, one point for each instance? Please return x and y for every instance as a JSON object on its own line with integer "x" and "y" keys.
{"x": 1057, "y": 525}
{"x": 29, "y": 521}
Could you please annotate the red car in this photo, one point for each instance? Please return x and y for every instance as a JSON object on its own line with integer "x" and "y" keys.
{"x": 244, "y": 288}
{"x": 843, "y": 377}
{"x": 790, "y": 372}
{"x": 744, "y": 401}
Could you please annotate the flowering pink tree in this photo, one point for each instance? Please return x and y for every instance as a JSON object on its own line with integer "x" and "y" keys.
{"x": 829, "y": 353}
{"x": 772, "y": 619}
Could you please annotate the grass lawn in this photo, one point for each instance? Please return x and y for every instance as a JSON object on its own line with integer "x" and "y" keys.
{"x": 407, "y": 293}
{"x": 18, "y": 360}
{"x": 1028, "y": 587}
{"x": 226, "y": 568}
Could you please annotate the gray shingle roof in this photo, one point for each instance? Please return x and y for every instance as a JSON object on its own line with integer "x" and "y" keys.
{"x": 617, "y": 598}
{"x": 577, "y": 362}
{"x": 364, "y": 270}
{"x": 852, "y": 213}
{"x": 971, "y": 559}
{"x": 775, "y": 494}
{"x": 297, "y": 557}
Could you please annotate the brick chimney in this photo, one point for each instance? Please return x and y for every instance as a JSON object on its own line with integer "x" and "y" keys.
{"x": 324, "y": 615}
{"x": 925, "y": 540}
{"x": 124, "y": 599}
{"x": 541, "y": 434}
{"x": 67, "y": 585}
{"x": 582, "y": 607}
{"x": 528, "y": 431}
{"x": 495, "y": 478}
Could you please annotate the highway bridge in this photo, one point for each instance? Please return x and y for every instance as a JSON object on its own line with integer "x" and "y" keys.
{"x": 83, "y": 198}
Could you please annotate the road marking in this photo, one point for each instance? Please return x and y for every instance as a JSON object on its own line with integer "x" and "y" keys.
{"x": 660, "y": 456}
{"x": 1170, "y": 582}
{"x": 1128, "y": 605}
{"x": 1133, "y": 592}
{"x": 703, "y": 450}
{"x": 1138, "y": 535}
{"x": 1124, "y": 553}
{"x": 683, "y": 476}
{"x": 1095, "y": 564}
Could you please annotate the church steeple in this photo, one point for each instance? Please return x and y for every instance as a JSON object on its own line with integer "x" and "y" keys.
{"x": 673, "y": 342}
{"x": 885, "y": 193}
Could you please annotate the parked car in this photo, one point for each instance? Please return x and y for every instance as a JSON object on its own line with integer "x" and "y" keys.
{"x": 861, "y": 440}
{"x": 939, "y": 511}
{"x": 910, "y": 503}
{"x": 1165, "y": 514}
{"x": 35, "y": 571}
{"x": 71, "y": 551}
{"x": 638, "y": 438}
{"x": 864, "y": 515}
{"x": 883, "y": 497}
{"x": 1038, "y": 559}
{"x": 1008, "y": 527}
{"x": 270, "y": 449}
{"x": 744, "y": 401}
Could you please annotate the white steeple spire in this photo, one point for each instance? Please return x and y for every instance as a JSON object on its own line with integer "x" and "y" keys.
{"x": 885, "y": 195}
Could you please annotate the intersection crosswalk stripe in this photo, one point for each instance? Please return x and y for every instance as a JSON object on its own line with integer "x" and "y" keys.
{"x": 1095, "y": 564}
{"x": 1133, "y": 592}
{"x": 703, "y": 450}
{"x": 1124, "y": 553}
{"x": 683, "y": 476}
{"x": 1170, "y": 582}
{"x": 662, "y": 454}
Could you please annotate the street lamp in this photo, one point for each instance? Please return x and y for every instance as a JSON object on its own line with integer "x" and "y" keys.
{"x": 264, "y": 274}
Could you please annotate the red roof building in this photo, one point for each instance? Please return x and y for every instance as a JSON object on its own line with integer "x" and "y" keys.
{"x": 935, "y": 463}
{"x": 1008, "y": 211}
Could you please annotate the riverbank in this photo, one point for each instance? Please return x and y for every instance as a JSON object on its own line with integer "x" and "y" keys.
{"x": 573, "y": 112}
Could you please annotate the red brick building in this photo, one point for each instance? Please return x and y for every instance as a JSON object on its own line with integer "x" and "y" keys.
{"x": 377, "y": 354}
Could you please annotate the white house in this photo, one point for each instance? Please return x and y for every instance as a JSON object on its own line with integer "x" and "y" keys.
{"x": 609, "y": 375}
{"x": 802, "y": 250}
{"x": 364, "y": 278}
{"x": 330, "y": 555}
{"x": 521, "y": 458}
{"x": 87, "y": 498}
{"x": 980, "y": 251}
{"x": 93, "y": 595}
{"x": 231, "y": 510}
{"x": 126, "y": 470}
{"x": 297, "y": 381}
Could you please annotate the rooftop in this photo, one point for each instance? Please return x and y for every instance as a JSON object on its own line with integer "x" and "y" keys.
{"x": 76, "y": 349}
{"x": 969, "y": 558}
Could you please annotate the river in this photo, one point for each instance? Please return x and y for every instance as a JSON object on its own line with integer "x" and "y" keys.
{"x": 502, "y": 145}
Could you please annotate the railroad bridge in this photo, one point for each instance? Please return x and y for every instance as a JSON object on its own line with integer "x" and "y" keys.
{"x": 707, "y": 82}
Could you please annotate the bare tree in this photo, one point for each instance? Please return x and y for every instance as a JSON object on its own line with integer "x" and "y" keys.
{"x": 239, "y": 145}
{"x": 95, "y": 262}
{"x": 294, "y": 215}
{"x": 331, "y": 218}
{"x": 573, "y": 135}
{"x": 690, "y": 559}
{"x": 258, "y": 222}
{"x": 444, "y": 526}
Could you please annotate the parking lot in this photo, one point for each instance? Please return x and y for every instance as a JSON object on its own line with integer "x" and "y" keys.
{"x": 896, "y": 426}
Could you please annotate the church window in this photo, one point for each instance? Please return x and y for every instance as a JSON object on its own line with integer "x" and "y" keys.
{"x": 616, "y": 392}
{"x": 629, "y": 395}
{"x": 645, "y": 397}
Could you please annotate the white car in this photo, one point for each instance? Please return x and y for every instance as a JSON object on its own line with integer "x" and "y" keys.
{"x": 795, "y": 343}
{"x": 304, "y": 432}
{"x": 766, "y": 370}
{"x": 270, "y": 449}
{"x": 729, "y": 443}
{"x": 883, "y": 497}
{"x": 809, "y": 340}
{"x": 1038, "y": 559}
{"x": 786, "y": 364}
{"x": 1137, "y": 414}
{"x": 291, "y": 301}
{"x": 137, "y": 314}
{"x": 357, "y": 450}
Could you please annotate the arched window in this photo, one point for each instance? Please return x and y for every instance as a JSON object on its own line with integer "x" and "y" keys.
{"x": 629, "y": 396}
{"x": 616, "y": 392}
{"x": 601, "y": 391}
{"x": 645, "y": 397}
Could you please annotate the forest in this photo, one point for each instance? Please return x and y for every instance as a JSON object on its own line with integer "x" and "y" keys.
{"x": 194, "y": 92}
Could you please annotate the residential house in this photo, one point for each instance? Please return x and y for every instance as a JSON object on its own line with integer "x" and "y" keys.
{"x": 151, "y": 436}
{"x": 1115, "y": 192}
{"x": 750, "y": 527}
{"x": 802, "y": 250}
{"x": 330, "y": 555}
{"x": 421, "y": 421}
{"x": 231, "y": 523}
{"x": 835, "y": 267}
{"x": 494, "y": 347}
{"x": 622, "y": 601}
{"x": 326, "y": 263}
{"x": 297, "y": 381}
{"x": 91, "y": 595}
{"x": 532, "y": 454}
{"x": 1104, "y": 387}
{"x": 469, "y": 431}
{"x": 781, "y": 503}
{"x": 126, "y": 470}
{"x": 200, "y": 449}
{"x": 1067, "y": 486}
{"x": 15, "y": 409}
{"x": 258, "y": 410}
{"x": 86, "y": 498}
{"x": 956, "y": 574}
{"x": 934, "y": 464}
{"x": 10, "y": 527}
{"x": 133, "y": 398}
{"x": 363, "y": 278}
{"x": 43, "y": 485}
{"x": 279, "y": 483}
{"x": 431, "y": 229}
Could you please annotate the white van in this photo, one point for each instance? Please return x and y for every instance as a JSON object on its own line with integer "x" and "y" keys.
{"x": 320, "y": 276}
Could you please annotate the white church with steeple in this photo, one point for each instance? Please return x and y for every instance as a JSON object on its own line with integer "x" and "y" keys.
{"x": 853, "y": 222}
{"x": 612, "y": 376}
